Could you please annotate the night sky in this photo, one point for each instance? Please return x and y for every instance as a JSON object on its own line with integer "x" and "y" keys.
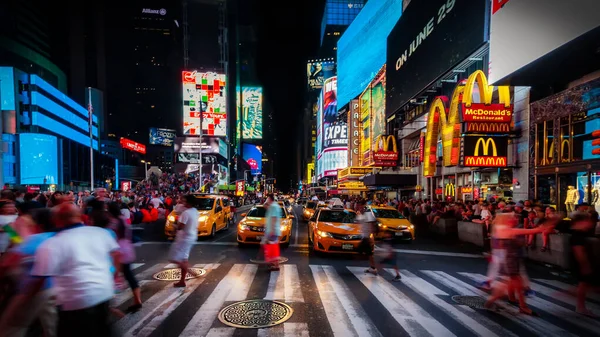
{"x": 287, "y": 38}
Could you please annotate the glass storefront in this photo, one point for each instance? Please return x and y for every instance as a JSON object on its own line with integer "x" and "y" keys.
{"x": 566, "y": 161}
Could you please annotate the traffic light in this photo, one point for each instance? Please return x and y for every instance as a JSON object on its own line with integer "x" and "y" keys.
{"x": 596, "y": 142}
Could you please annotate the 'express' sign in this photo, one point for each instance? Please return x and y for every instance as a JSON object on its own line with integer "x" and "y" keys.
{"x": 336, "y": 135}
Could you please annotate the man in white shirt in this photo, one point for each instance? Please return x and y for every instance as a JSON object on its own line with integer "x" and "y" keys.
{"x": 78, "y": 258}
{"x": 155, "y": 201}
{"x": 187, "y": 234}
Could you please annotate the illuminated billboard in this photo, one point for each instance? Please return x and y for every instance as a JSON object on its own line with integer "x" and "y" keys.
{"x": 164, "y": 137}
{"x": 133, "y": 146}
{"x": 361, "y": 50}
{"x": 204, "y": 93}
{"x": 253, "y": 156}
{"x": 251, "y": 112}
{"x": 366, "y": 141}
{"x": 378, "y": 106}
{"x": 329, "y": 105}
{"x": 38, "y": 155}
{"x": 319, "y": 70}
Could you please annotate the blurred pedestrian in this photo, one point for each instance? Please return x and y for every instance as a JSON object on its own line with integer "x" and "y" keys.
{"x": 187, "y": 234}
{"x": 77, "y": 260}
{"x": 272, "y": 232}
{"x": 581, "y": 228}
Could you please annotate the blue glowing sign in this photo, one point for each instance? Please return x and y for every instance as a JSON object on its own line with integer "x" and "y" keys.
{"x": 362, "y": 48}
{"x": 253, "y": 156}
{"x": 164, "y": 137}
{"x": 38, "y": 162}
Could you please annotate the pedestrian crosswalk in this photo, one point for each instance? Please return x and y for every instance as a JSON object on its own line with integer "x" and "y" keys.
{"x": 345, "y": 301}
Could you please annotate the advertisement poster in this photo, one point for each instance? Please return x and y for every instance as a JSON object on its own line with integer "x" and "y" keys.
{"x": 251, "y": 112}
{"x": 192, "y": 145}
{"x": 329, "y": 103}
{"x": 253, "y": 156}
{"x": 378, "y": 106}
{"x": 319, "y": 142}
{"x": 38, "y": 159}
{"x": 318, "y": 71}
{"x": 164, "y": 137}
{"x": 204, "y": 93}
{"x": 429, "y": 40}
{"x": 129, "y": 144}
{"x": 365, "y": 115}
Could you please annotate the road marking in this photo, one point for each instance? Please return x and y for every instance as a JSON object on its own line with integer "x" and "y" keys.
{"x": 472, "y": 320}
{"x": 555, "y": 310}
{"x": 220, "y": 332}
{"x": 203, "y": 320}
{"x": 560, "y": 296}
{"x": 157, "y": 309}
{"x": 126, "y": 294}
{"x": 297, "y": 225}
{"x": 285, "y": 285}
{"x": 344, "y": 313}
{"x": 226, "y": 235}
{"x": 285, "y": 330}
{"x": 533, "y": 324}
{"x": 148, "y": 273}
{"x": 415, "y": 320}
{"x": 171, "y": 266}
{"x": 243, "y": 283}
{"x": 305, "y": 245}
{"x": 135, "y": 266}
{"x": 567, "y": 287}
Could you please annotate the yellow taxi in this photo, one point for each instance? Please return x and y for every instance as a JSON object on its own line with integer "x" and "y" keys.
{"x": 309, "y": 210}
{"x": 213, "y": 216}
{"x": 333, "y": 230}
{"x": 251, "y": 228}
{"x": 391, "y": 221}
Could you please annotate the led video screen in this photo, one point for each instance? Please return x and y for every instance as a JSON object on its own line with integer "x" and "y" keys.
{"x": 164, "y": 137}
{"x": 38, "y": 155}
{"x": 251, "y": 112}
{"x": 204, "y": 93}
{"x": 362, "y": 48}
{"x": 253, "y": 156}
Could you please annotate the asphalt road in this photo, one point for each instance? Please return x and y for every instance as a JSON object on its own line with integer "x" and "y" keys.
{"x": 332, "y": 296}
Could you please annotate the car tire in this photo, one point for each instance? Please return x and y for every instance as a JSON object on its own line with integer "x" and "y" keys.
{"x": 226, "y": 225}
{"x": 285, "y": 245}
{"x": 213, "y": 231}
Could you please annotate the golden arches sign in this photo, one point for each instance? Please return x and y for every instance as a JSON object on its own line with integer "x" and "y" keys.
{"x": 383, "y": 143}
{"x": 486, "y": 147}
{"x": 444, "y": 117}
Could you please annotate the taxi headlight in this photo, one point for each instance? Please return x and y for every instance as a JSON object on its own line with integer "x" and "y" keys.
{"x": 244, "y": 227}
{"x": 202, "y": 218}
{"x": 324, "y": 234}
{"x": 283, "y": 227}
{"x": 171, "y": 218}
{"x": 411, "y": 226}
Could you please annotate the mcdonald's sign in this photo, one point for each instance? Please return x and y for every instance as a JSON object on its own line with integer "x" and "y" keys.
{"x": 485, "y": 151}
{"x": 444, "y": 118}
{"x": 383, "y": 154}
{"x": 486, "y": 127}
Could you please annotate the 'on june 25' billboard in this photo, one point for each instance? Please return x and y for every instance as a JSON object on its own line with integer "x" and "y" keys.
{"x": 250, "y": 112}
{"x": 164, "y": 137}
{"x": 253, "y": 156}
{"x": 319, "y": 70}
{"x": 204, "y": 93}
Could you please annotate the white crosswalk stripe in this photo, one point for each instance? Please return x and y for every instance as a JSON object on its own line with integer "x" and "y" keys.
{"x": 231, "y": 288}
{"x": 551, "y": 308}
{"x": 407, "y": 313}
{"x": 567, "y": 288}
{"x": 345, "y": 314}
{"x": 342, "y": 293}
{"x": 475, "y": 322}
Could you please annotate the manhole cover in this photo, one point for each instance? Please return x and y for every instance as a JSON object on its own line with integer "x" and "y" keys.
{"x": 281, "y": 260}
{"x": 175, "y": 274}
{"x": 476, "y": 302}
{"x": 255, "y": 314}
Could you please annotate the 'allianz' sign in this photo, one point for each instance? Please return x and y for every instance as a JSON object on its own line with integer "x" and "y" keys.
{"x": 161, "y": 11}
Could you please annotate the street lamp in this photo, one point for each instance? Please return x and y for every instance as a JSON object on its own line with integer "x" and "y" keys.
{"x": 146, "y": 163}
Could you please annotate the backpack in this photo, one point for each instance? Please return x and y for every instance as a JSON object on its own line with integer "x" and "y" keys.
{"x": 138, "y": 216}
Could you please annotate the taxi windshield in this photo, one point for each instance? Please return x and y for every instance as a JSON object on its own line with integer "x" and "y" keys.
{"x": 261, "y": 212}
{"x": 204, "y": 204}
{"x": 337, "y": 216}
{"x": 388, "y": 214}
{"x": 311, "y": 205}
